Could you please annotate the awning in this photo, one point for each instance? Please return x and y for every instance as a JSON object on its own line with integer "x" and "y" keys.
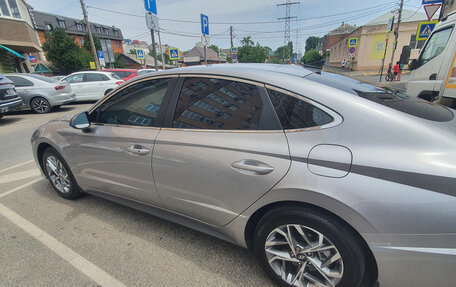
{"x": 11, "y": 51}
{"x": 42, "y": 69}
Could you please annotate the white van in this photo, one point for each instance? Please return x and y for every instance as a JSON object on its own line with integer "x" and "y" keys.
{"x": 434, "y": 72}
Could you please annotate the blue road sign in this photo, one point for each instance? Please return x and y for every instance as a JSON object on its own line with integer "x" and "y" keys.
{"x": 234, "y": 51}
{"x": 174, "y": 54}
{"x": 151, "y": 6}
{"x": 100, "y": 55}
{"x": 352, "y": 42}
{"x": 352, "y": 50}
{"x": 140, "y": 54}
{"x": 427, "y": 2}
{"x": 204, "y": 24}
{"x": 32, "y": 59}
{"x": 425, "y": 29}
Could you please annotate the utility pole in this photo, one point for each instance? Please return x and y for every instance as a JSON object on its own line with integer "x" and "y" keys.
{"x": 92, "y": 43}
{"x": 287, "y": 18}
{"x": 396, "y": 32}
{"x": 232, "y": 46}
{"x": 152, "y": 34}
{"x": 161, "y": 50}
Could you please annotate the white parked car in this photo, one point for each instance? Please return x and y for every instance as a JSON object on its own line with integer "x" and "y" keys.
{"x": 91, "y": 85}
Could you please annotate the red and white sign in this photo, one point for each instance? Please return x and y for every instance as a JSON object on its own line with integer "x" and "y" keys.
{"x": 431, "y": 10}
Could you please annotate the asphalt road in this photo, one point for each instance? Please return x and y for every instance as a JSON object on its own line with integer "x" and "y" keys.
{"x": 46, "y": 240}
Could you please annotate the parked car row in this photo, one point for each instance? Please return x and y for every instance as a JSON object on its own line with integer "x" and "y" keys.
{"x": 9, "y": 99}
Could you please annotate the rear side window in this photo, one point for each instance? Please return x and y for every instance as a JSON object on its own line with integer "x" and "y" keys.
{"x": 296, "y": 113}
{"x": 210, "y": 103}
{"x": 20, "y": 82}
{"x": 92, "y": 77}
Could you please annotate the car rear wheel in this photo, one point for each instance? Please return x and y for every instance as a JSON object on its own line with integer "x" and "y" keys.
{"x": 305, "y": 247}
{"x": 40, "y": 105}
{"x": 60, "y": 175}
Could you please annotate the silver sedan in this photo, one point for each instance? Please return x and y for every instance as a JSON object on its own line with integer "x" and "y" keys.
{"x": 41, "y": 94}
{"x": 330, "y": 181}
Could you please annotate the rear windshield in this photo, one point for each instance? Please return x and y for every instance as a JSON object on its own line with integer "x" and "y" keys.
{"x": 391, "y": 98}
{"x": 122, "y": 74}
{"x": 115, "y": 76}
{"x": 42, "y": 78}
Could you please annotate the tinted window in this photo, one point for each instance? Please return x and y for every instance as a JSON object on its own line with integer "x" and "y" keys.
{"x": 93, "y": 77}
{"x": 394, "y": 99}
{"x": 42, "y": 78}
{"x": 123, "y": 74}
{"x": 115, "y": 76}
{"x": 20, "y": 82}
{"x": 295, "y": 113}
{"x": 137, "y": 105}
{"x": 219, "y": 104}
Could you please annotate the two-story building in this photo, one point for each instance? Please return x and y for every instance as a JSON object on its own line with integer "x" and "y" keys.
{"x": 17, "y": 36}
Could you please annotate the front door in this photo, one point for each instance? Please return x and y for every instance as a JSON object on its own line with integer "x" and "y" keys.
{"x": 115, "y": 155}
{"x": 224, "y": 149}
{"x": 428, "y": 78}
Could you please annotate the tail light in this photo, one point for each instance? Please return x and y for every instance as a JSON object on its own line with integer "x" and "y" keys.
{"x": 60, "y": 87}
{"x": 119, "y": 82}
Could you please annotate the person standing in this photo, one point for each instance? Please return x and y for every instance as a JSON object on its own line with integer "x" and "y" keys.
{"x": 396, "y": 71}
{"x": 344, "y": 63}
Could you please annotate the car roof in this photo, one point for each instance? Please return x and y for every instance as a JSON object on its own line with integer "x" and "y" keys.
{"x": 120, "y": 70}
{"x": 92, "y": 72}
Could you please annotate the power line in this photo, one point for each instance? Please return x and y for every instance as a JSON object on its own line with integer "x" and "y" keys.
{"x": 245, "y": 23}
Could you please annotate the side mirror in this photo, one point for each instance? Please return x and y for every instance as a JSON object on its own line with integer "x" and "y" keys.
{"x": 80, "y": 121}
{"x": 413, "y": 65}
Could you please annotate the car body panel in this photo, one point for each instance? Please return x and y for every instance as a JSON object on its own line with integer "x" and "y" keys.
{"x": 397, "y": 192}
{"x": 125, "y": 74}
{"x": 94, "y": 90}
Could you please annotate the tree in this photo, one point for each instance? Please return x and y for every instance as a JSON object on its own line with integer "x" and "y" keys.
{"x": 283, "y": 52}
{"x": 64, "y": 53}
{"x": 132, "y": 52}
{"x": 214, "y": 47}
{"x": 311, "y": 56}
{"x": 247, "y": 42}
{"x": 87, "y": 44}
{"x": 159, "y": 56}
{"x": 312, "y": 43}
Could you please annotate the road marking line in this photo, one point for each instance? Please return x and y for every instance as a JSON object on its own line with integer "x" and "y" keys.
{"x": 19, "y": 175}
{"x": 69, "y": 255}
{"x": 17, "y": 165}
{"x": 19, "y": 187}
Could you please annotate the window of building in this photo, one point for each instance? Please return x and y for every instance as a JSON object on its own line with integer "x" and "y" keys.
{"x": 118, "y": 45}
{"x": 414, "y": 44}
{"x": 62, "y": 24}
{"x": 105, "y": 31}
{"x": 215, "y": 104}
{"x": 79, "y": 26}
{"x": 98, "y": 29}
{"x": 116, "y": 33}
{"x": 294, "y": 113}
{"x": 48, "y": 26}
{"x": 4, "y": 8}
{"x": 81, "y": 40}
{"x": 137, "y": 105}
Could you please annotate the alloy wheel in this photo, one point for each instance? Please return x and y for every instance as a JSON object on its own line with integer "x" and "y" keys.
{"x": 58, "y": 175}
{"x": 40, "y": 105}
{"x": 302, "y": 256}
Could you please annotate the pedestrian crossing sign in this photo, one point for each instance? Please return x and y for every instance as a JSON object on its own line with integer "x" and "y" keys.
{"x": 425, "y": 29}
{"x": 174, "y": 54}
{"x": 353, "y": 42}
{"x": 140, "y": 53}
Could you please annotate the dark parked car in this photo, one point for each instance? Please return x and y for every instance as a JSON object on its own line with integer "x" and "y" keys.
{"x": 9, "y": 99}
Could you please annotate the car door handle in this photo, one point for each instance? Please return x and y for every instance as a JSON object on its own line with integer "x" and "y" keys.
{"x": 252, "y": 167}
{"x": 433, "y": 77}
{"x": 138, "y": 149}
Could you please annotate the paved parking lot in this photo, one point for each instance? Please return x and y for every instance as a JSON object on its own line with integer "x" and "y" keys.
{"x": 49, "y": 241}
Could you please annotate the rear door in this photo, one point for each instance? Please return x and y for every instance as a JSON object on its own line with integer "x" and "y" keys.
{"x": 115, "y": 155}
{"x": 24, "y": 88}
{"x": 223, "y": 149}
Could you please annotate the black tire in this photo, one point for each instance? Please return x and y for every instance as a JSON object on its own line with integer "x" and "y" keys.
{"x": 40, "y": 105}
{"x": 73, "y": 190}
{"x": 107, "y": 92}
{"x": 346, "y": 243}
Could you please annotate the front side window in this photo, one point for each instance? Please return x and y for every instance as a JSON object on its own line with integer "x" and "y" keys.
{"x": 137, "y": 105}
{"x": 435, "y": 45}
{"x": 78, "y": 78}
{"x": 93, "y": 77}
{"x": 219, "y": 104}
{"x": 296, "y": 113}
{"x": 20, "y": 82}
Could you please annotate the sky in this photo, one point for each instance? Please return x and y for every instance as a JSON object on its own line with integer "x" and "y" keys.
{"x": 243, "y": 15}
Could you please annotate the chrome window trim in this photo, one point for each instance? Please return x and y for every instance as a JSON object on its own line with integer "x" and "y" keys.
{"x": 228, "y": 78}
{"x": 115, "y": 91}
{"x": 124, "y": 126}
{"x": 337, "y": 119}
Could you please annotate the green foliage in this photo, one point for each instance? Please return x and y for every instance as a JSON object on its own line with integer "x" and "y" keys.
{"x": 214, "y": 47}
{"x": 118, "y": 64}
{"x": 284, "y": 52}
{"x": 311, "y": 56}
{"x": 132, "y": 52}
{"x": 64, "y": 53}
{"x": 229, "y": 59}
{"x": 312, "y": 43}
{"x": 87, "y": 44}
{"x": 247, "y": 42}
{"x": 159, "y": 56}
